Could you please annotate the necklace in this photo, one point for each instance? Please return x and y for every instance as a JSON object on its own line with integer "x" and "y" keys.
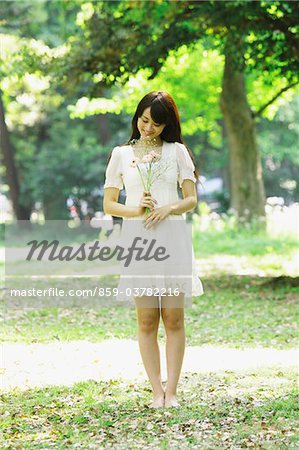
{"x": 143, "y": 142}
{"x": 142, "y": 147}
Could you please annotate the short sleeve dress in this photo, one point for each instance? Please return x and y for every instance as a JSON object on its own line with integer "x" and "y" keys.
{"x": 174, "y": 166}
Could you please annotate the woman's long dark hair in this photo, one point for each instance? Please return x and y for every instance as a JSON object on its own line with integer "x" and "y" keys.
{"x": 163, "y": 111}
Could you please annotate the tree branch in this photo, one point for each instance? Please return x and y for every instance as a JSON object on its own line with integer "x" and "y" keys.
{"x": 259, "y": 112}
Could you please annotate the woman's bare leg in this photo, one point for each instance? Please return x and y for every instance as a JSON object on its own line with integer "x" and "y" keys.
{"x": 173, "y": 318}
{"x": 148, "y": 316}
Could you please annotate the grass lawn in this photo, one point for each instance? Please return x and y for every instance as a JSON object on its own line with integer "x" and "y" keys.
{"x": 232, "y": 409}
{"x": 235, "y": 311}
{"x": 218, "y": 411}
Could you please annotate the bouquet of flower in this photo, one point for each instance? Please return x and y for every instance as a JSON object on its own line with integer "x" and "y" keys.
{"x": 151, "y": 173}
{"x": 148, "y": 160}
{"x": 154, "y": 168}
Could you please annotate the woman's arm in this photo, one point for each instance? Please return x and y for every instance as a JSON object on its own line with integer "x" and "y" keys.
{"x": 189, "y": 201}
{"x": 187, "y": 204}
{"x": 112, "y": 207}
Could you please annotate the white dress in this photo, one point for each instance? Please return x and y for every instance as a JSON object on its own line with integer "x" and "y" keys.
{"x": 175, "y": 165}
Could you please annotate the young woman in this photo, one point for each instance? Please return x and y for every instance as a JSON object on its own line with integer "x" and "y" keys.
{"x": 156, "y": 126}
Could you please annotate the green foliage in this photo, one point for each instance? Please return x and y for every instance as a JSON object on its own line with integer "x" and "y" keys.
{"x": 278, "y": 141}
{"x": 179, "y": 76}
{"x": 154, "y": 28}
{"x": 48, "y": 21}
{"x": 68, "y": 162}
{"x": 55, "y": 156}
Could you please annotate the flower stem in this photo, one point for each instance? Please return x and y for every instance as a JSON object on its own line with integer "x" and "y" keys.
{"x": 145, "y": 189}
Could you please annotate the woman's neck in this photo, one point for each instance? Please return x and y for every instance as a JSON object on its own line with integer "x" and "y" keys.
{"x": 151, "y": 142}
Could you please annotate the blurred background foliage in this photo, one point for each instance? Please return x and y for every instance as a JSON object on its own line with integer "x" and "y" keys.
{"x": 64, "y": 114}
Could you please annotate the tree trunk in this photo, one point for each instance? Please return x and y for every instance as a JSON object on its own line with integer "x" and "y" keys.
{"x": 247, "y": 195}
{"x": 21, "y": 212}
{"x": 103, "y": 129}
{"x": 225, "y": 170}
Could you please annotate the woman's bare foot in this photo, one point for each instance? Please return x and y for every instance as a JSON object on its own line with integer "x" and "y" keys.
{"x": 158, "y": 401}
{"x": 171, "y": 401}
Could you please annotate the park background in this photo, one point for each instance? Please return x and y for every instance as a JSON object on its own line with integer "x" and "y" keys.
{"x": 72, "y": 73}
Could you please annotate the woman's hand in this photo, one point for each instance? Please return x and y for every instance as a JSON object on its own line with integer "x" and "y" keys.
{"x": 146, "y": 202}
{"x": 156, "y": 215}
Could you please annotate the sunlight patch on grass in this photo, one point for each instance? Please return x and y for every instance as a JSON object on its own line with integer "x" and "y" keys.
{"x": 67, "y": 363}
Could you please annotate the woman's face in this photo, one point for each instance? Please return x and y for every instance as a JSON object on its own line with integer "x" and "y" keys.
{"x": 147, "y": 127}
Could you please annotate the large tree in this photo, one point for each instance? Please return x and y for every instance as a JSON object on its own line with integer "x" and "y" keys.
{"x": 119, "y": 38}
{"x": 22, "y": 141}
{"x": 21, "y": 211}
